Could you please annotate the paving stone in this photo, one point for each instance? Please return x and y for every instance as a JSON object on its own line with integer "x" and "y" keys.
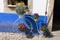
{"x": 17, "y": 36}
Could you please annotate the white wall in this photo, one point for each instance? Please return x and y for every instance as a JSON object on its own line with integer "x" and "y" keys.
{"x": 1, "y": 6}
{"x": 7, "y": 9}
{"x": 10, "y": 10}
{"x": 39, "y": 6}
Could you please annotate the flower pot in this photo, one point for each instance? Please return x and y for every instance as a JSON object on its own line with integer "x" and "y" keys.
{"x": 36, "y": 17}
{"x": 21, "y": 27}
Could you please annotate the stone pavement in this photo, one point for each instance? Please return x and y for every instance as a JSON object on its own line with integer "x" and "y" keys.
{"x": 16, "y": 36}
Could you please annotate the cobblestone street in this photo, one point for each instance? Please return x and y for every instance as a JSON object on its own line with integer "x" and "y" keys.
{"x": 16, "y": 36}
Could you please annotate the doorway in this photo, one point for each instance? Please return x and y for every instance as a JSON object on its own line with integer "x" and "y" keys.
{"x": 56, "y": 16}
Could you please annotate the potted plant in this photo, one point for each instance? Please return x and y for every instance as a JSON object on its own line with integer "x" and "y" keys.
{"x": 36, "y": 17}
{"x": 21, "y": 27}
{"x": 43, "y": 28}
{"x": 46, "y": 32}
{"x": 20, "y": 8}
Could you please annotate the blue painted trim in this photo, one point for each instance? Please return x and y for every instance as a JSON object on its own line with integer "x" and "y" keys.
{"x": 7, "y": 20}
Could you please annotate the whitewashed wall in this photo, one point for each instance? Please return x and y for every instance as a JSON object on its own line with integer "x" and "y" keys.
{"x": 7, "y": 9}
{"x": 1, "y": 6}
{"x": 39, "y": 6}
